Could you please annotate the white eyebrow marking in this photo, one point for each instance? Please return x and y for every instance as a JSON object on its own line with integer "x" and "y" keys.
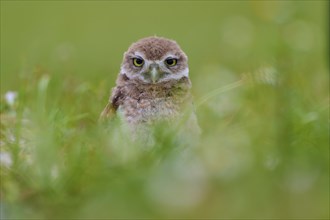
{"x": 170, "y": 55}
{"x": 136, "y": 53}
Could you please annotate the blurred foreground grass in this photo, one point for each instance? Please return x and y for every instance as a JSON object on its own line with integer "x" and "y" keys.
{"x": 264, "y": 151}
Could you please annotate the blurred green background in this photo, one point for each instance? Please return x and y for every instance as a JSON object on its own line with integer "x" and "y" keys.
{"x": 264, "y": 151}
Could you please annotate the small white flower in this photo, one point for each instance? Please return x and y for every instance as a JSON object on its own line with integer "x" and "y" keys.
{"x": 267, "y": 75}
{"x": 5, "y": 159}
{"x": 10, "y": 97}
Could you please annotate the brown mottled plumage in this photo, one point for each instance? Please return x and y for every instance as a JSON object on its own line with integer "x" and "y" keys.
{"x": 156, "y": 90}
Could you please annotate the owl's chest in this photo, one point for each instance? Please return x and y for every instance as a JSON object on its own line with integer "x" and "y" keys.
{"x": 145, "y": 110}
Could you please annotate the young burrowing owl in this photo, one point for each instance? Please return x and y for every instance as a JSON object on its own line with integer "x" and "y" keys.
{"x": 153, "y": 86}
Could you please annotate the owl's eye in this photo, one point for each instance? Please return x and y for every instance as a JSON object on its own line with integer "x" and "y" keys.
{"x": 171, "y": 61}
{"x": 138, "y": 62}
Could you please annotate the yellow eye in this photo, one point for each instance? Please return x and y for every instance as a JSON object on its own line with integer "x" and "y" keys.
{"x": 138, "y": 62}
{"x": 171, "y": 62}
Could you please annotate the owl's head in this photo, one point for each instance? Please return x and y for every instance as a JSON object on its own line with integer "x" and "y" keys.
{"x": 155, "y": 60}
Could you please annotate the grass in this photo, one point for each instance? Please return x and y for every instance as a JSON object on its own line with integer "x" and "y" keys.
{"x": 260, "y": 81}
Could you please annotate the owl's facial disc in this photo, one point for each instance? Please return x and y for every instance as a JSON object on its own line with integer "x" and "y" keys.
{"x": 152, "y": 70}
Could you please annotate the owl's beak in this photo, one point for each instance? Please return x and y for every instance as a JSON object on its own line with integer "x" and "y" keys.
{"x": 154, "y": 72}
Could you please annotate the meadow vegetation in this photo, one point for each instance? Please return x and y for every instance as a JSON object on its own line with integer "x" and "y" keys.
{"x": 260, "y": 74}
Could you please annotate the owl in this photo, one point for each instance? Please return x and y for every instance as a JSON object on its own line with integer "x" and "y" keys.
{"x": 153, "y": 86}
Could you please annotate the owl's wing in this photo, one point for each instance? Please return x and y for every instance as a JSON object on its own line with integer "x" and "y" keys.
{"x": 108, "y": 112}
{"x": 115, "y": 101}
